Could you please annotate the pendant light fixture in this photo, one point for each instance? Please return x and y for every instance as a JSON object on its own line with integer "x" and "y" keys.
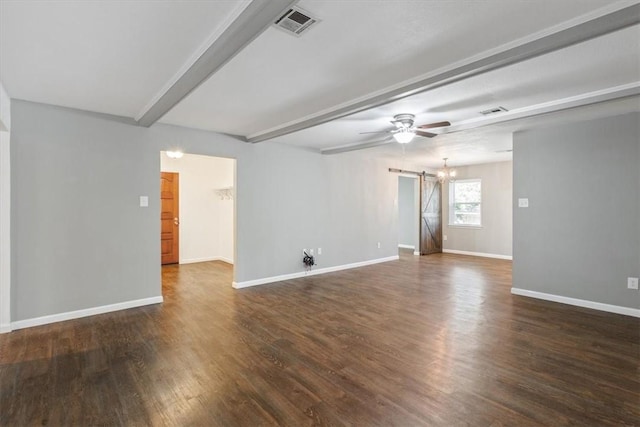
{"x": 446, "y": 173}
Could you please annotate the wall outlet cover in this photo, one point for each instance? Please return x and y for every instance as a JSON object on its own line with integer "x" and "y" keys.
{"x": 523, "y": 203}
{"x": 632, "y": 282}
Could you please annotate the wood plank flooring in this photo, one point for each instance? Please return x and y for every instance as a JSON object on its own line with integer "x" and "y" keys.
{"x": 423, "y": 341}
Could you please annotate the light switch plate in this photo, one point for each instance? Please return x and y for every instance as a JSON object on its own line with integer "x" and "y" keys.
{"x": 144, "y": 201}
{"x": 523, "y": 203}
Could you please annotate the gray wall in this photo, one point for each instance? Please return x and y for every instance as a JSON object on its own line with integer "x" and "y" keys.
{"x": 80, "y": 240}
{"x": 5, "y": 210}
{"x": 580, "y": 236}
{"x": 495, "y": 235}
{"x": 408, "y": 226}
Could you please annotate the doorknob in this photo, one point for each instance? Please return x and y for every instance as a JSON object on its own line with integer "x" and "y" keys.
{"x": 176, "y": 221}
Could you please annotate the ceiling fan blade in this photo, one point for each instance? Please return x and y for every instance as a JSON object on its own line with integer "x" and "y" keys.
{"x": 434, "y": 125}
{"x": 377, "y": 131}
{"x": 426, "y": 134}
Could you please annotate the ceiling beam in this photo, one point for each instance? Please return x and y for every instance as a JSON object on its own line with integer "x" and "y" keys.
{"x": 251, "y": 22}
{"x": 611, "y": 94}
{"x": 590, "y": 29}
{"x": 354, "y": 147}
{"x": 591, "y": 98}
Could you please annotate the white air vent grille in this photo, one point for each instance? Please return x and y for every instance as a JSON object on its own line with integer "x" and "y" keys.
{"x": 493, "y": 111}
{"x": 295, "y": 21}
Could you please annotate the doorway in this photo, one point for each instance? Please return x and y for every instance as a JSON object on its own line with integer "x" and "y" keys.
{"x": 198, "y": 214}
{"x": 409, "y": 214}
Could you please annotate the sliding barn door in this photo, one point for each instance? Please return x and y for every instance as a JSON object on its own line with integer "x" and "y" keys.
{"x": 431, "y": 216}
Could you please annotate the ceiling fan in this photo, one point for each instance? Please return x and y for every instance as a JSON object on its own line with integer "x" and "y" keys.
{"x": 405, "y": 130}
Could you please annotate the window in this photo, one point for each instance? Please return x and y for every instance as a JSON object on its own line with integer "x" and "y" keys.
{"x": 465, "y": 202}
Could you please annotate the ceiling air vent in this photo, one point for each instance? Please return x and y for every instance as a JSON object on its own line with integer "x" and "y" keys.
{"x": 493, "y": 111}
{"x": 295, "y": 21}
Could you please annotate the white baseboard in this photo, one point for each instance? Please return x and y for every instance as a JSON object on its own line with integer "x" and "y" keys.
{"x": 482, "y": 254}
{"x": 627, "y": 311}
{"x": 215, "y": 258}
{"x": 4, "y": 328}
{"x": 256, "y": 282}
{"x": 61, "y": 317}
{"x": 406, "y": 246}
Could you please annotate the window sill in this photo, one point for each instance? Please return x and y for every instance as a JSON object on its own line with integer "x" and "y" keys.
{"x": 465, "y": 226}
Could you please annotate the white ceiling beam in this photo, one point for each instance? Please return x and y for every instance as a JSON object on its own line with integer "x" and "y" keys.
{"x": 581, "y": 32}
{"x": 591, "y": 98}
{"x": 252, "y": 22}
{"x": 354, "y": 147}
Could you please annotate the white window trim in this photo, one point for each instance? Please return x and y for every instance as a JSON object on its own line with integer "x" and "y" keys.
{"x": 452, "y": 201}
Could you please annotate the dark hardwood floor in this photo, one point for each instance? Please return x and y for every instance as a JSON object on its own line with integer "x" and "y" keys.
{"x": 436, "y": 341}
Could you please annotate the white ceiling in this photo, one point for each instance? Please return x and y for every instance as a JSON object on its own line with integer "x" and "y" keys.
{"x": 103, "y": 56}
{"x": 116, "y": 57}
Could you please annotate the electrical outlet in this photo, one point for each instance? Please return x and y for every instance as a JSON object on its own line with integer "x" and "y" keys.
{"x": 444, "y": 237}
{"x": 523, "y": 203}
{"x": 319, "y": 251}
{"x": 632, "y": 282}
{"x": 311, "y": 253}
{"x": 378, "y": 245}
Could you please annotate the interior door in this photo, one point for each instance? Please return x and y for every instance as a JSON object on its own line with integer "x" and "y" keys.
{"x": 430, "y": 215}
{"x": 169, "y": 218}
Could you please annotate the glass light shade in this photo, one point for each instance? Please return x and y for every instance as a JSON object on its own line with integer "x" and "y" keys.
{"x": 446, "y": 173}
{"x": 404, "y": 136}
{"x": 174, "y": 154}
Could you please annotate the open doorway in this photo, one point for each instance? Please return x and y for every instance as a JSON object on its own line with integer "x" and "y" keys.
{"x": 409, "y": 214}
{"x": 198, "y": 201}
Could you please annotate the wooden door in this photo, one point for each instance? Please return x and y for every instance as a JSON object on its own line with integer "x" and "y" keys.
{"x": 430, "y": 216}
{"x": 169, "y": 218}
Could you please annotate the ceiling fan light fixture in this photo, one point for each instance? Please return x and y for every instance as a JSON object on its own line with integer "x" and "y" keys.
{"x": 404, "y": 135}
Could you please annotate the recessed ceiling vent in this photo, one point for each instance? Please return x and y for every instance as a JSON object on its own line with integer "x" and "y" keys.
{"x": 295, "y": 21}
{"x": 494, "y": 110}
